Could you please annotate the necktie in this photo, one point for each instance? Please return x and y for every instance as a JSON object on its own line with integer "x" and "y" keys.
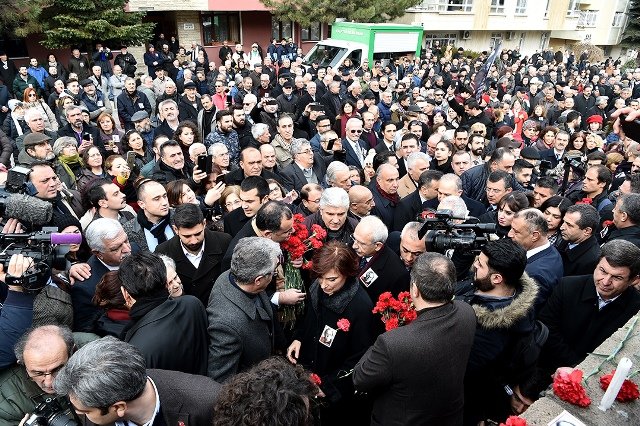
{"x": 363, "y": 263}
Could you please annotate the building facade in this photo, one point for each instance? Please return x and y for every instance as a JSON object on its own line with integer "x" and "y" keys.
{"x": 530, "y": 25}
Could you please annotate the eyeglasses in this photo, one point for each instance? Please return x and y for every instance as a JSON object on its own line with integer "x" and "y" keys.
{"x": 360, "y": 243}
{"x": 306, "y": 151}
{"x": 52, "y": 372}
{"x": 233, "y": 203}
{"x": 32, "y": 94}
{"x": 355, "y": 131}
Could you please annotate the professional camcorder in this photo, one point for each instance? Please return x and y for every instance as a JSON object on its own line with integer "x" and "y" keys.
{"x": 443, "y": 233}
{"x": 47, "y": 248}
{"x": 51, "y": 412}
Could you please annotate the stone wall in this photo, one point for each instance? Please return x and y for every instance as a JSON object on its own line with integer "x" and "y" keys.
{"x": 628, "y": 413}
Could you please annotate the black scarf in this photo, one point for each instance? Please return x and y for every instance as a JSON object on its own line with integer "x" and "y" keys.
{"x": 157, "y": 230}
{"x": 143, "y": 306}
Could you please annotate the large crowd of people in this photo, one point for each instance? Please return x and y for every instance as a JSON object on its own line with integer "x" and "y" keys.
{"x": 187, "y": 181}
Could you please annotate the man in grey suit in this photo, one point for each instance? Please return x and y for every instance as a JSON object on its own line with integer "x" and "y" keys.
{"x": 107, "y": 381}
{"x": 241, "y": 320}
{"x": 424, "y": 360}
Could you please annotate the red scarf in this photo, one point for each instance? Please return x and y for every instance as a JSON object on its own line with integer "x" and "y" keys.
{"x": 394, "y": 198}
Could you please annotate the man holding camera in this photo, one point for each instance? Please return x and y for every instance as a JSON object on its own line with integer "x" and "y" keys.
{"x": 27, "y": 389}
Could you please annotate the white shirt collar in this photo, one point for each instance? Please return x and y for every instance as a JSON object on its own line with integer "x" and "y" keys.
{"x": 538, "y": 249}
{"x": 155, "y": 412}
{"x": 193, "y": 258}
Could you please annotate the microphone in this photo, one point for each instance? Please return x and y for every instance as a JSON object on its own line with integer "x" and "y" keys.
{"x": 65, "y": 239}
{"x": 27, "y": 209}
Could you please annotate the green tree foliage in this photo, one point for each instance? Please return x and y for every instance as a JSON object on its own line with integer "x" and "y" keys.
{"x": 20, "y": 17}
{"x": 306, "y": 12}
{"x": 66, "y": 23}
{"x": 631, "y": 36}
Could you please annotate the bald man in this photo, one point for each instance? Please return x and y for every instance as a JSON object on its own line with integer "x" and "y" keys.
{"x": 360, "y": 202}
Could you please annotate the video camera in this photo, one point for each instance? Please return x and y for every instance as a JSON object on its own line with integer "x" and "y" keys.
{"x": 442, "y": 233}
{"x": 51, "y": 412}
{"x": 47, "y": 248}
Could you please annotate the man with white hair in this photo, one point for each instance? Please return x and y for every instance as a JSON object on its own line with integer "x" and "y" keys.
{"x": 110, "y": 245}
{"x": 356, "y": 148}
{"x": 417, "y": 162}
{"x": 456, "y": 205}
{"x": 332, "y": 215}
{"x": 306, "y": 167}
{"x": 410, "y": 245}
{"x": 338, "y": 175}
{"x": 381, "y": 269}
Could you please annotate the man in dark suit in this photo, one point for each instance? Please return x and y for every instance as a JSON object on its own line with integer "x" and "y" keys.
{"x": 426, "y": 197}
{"x": 331, "y": 100}
{"x": 585, "y": 310}
{"x": 424, "y": 360}
{"x": 626, "y": 218}
{"x": 579, "y": 249}
{"x": 450, "y": 184}
{"x": 196, "y": 250}
{"x": 385, "y": 193}
{"x": 128, "y": 392}
{"x": 307, "y": 166}
{"x": 381, "y": 269}
{"x": 388, "y": 130}
{"x": 254, "y": 192}
{"x": 241, "y": 319}
{"x": 544, "y": 264}
{"x": 109, "y": 245}
{"x": 556, "y": 154}
{"x": 355, "y": 148}
{"x": 251, "y": 164}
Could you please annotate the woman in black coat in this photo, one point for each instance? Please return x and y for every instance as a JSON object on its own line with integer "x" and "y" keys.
{"x": 323, "y": 343}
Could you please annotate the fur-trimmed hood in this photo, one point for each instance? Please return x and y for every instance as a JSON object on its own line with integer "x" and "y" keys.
{"x": 507, "y": 316}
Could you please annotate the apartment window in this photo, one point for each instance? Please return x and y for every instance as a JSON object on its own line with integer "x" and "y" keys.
{"x": 587, "y": 18}
{"x": 311, "y": 33}
{"x": 220, "y": 26}
{"x": 280, "y": 29}
{"x": 456, "y": 5}
{"x": 497, "y": 6}
{"x": 521, "y": 7}
{"x": 618, "y": 19}
{"x": 444, "y": 5}
{"x": 544, "y": 40}
{"x": 495, "y": 39}
{"x": 444, "y": 39}
{"x": 573, "y": 10}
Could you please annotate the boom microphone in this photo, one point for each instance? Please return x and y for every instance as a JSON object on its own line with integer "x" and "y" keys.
{"x": 65, "y": 239}
{"x": 25, "y": 208}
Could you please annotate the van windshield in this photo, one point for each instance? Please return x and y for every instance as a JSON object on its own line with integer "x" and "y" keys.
{"x": 325, "y": 55}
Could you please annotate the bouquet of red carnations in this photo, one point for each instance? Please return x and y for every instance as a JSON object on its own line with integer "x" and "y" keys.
{"x": 395, "y": 312}
{"x": 299, "y": 242}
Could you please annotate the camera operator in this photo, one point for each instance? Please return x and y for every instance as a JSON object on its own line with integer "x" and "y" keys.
{"x": 40, "y": 352}
{"x": 17, "y": 310}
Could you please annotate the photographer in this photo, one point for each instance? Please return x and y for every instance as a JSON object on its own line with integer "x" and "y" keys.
{"x": 40, "y": 352}
{"x": 17, "y": 310}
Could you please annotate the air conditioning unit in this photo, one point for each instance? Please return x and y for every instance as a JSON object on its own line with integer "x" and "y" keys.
{"x": 510, "y": 35}
{"x": 465, "y": 35}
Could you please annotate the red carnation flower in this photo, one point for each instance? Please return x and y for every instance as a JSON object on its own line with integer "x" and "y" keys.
{"x": 514, "y": 421}
{"x": 566, "y": 384}
{"x": 607, "y": 223}
{"x": 585, "y": 201}
{"x": 628, "y": 391}
{"x": 315, "y": 379}
{"x": 391, "y": 323}
{"x": 344, "y": 324}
